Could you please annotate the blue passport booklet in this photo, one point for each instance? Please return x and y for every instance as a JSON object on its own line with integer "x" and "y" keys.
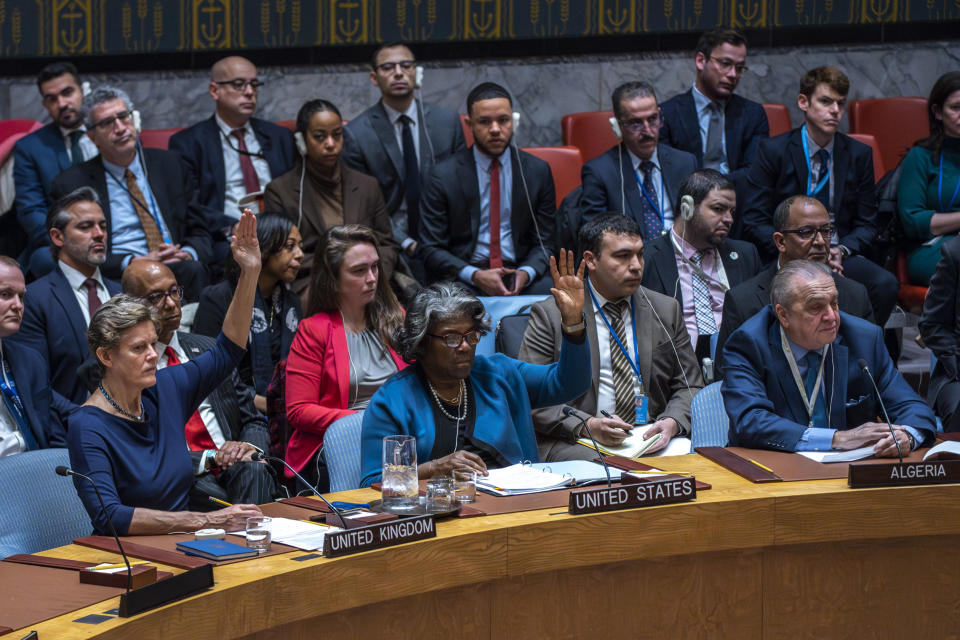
{"x": 215, "y": 549}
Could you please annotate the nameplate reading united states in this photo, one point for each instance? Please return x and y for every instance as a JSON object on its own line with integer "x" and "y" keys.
{"x": 640, "y": 494}
{"x": 375, "y": 536}
{"x": 899, "y": 475}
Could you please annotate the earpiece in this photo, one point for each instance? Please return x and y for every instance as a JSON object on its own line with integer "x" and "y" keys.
{"x": 300, "y": 142}
{"x": 136, "y": 120}
{"x": 686, "y": 208}
{"x": 516, "y": 122}
{"x": 85, "y": 88}
{"x": 418, "y": 77}
{"x": 615, "y": 126}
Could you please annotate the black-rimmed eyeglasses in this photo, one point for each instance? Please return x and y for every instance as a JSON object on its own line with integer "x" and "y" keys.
{"x": 455, "y": 339}
{"x": 239, "y": 84}
{"x": 808, "y": 233}
{"x": 156, "y": 298}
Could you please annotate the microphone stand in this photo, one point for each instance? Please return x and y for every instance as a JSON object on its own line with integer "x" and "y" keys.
{"x": 256, "y": 457}
{"x": 863, "y": 365}
{"x": 569, "y": 412}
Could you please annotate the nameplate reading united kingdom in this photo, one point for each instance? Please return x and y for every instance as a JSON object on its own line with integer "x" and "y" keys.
{"x": 630, "y": 496}
{"x": 900, "y": 475}
{"x": 375, "y": 536}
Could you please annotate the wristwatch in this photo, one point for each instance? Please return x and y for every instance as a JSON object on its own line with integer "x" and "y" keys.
{"x": 574, "y": 328}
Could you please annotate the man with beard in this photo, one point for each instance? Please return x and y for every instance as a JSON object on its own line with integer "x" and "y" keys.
{"x": 488, "y": 211}
{"x": 40, "y": 156}
{"x": 640, "y": 177}
{"x": 696, "y": 262}
{"x": 398, "y": 141}
{"x": 61, "y": 303}
{"x": 801, "y": 230}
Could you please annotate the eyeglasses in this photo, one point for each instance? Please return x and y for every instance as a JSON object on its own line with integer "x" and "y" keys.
{"x": 156, "y": 298}
{"x": 388, "y": 67}
{"x": 454, "y": 340}
{"x": 638, "y": 125}
{"x": 808, "y": 233}
{"x": 239, "y": 85}
{"x": 725, "y": 64}
{"x": 107, "y": 123}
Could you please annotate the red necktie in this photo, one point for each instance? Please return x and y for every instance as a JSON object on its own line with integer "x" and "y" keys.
{"x": 198, "y": 438}
{"x": 250, "y": 180}
{"x": 93, "y": 301}
{"x": 496, "y": 258}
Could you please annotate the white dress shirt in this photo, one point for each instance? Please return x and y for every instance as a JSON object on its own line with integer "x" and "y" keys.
{"x": 77, "y": 280}
{"x": 606, "y": 398}
{"x": 659, "y": 197}
{"x": 235, "y": 189}
{"x": 11, "y": 441}
{"x": 206, "y": 409}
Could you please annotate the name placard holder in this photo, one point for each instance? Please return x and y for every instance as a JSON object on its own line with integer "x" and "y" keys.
{"x": 632, "y": 495}
{"x": 865, "y": 475}
{"x": 376, "y": 536}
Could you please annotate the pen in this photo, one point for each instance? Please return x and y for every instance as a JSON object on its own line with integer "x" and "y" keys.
{"x": 117, "y": 566}
{"x": 761, "y": 466}
{"x": 219, "y": 501}
{"x": 607, "y": 415}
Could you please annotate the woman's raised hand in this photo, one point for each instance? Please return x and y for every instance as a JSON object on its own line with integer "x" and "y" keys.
{"x": 244, "y": 244}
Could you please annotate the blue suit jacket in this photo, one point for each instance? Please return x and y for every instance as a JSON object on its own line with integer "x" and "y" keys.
{"x": 745, "y": 125}
{"x": 602, "y": 178}
{"x": 201, "y": 148}
{"x": 505, "y": 390}
{"x": 46, "y": 410}
{"x": 53, "y": 326}
{"x": 764, "y": 404}
{"x": 38, "y": 158}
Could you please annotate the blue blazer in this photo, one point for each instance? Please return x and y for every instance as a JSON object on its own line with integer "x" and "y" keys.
{"x": 764, "y": 404}
{"x": 46, "y": 410}
{"x": 53, "y": 326}
{"x": 38, "y": 158}
{"x": 505, "y": 390}
{"x": 745, "y": 125}
{"x": 602, "y": 178}
{"x": 201, "y": 148}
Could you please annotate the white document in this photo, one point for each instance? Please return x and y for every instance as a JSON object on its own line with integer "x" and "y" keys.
{"x": 580, "y": 471}
{"x": 296, "y": 533}
{"x": 633, "y": 446}
{"x": 520, "y": 478}
{"x": 839, "y": 456}
{"x": 950, "y": 448}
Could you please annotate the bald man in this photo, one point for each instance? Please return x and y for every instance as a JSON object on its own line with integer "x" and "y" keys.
{"x": 232, "y": 153}
{"x": 227, "y": 429}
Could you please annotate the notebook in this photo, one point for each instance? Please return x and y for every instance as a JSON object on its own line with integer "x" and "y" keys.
{"x": 518, "y": 479}
{"x": 633, "y": 446}
{"x": 216, "y": 550}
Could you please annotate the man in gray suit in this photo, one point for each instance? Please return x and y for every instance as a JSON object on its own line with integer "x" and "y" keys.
{"x": 631, "y": 329}
{"x": 640, "y": 177}
{"x": 398, "y": 140}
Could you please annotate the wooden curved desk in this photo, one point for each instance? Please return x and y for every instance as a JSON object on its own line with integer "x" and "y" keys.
{"x": 803, "y": 559}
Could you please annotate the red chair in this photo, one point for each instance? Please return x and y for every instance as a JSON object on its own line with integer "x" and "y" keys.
{"x": 291, "y": 124}
{"x": 565, "y": 165}
{"x": 878, "y": 166}
{"x": 589, "y": 131}
{"x": 17, "y": 125}
{"x": 779, "y": 118}
{"x": 911, "y": 296}
{"x": 158, "y": 138}
{"x": 896, "y": 123}
{"x": 467, "y": 133}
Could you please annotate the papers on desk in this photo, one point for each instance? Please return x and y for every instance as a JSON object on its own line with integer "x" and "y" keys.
{"x": 582, "y": 472}
{"x": 946, "y": 450}
{"x": 633, "y": 446}
{"x": 307, "y": 536}
{"x": 839, "y": 456}
{"x": 519, "y": 479}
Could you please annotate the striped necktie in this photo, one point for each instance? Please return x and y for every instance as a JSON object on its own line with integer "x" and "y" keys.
{"x": 622, "y": 371}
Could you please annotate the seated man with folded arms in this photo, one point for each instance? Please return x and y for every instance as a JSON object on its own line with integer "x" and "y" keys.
{"x": 628, "y": 326}
{"x": 801, "y": 230}
{"x": 793, "y": 380}
{"x": 31, "y": 415}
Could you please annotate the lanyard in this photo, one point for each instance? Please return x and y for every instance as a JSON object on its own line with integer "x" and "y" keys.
{"x": 635, "y": 363}
{"x": 940, "y": 188}
{"x": 9, "y": 389}
{"x": 809, "y": 403}
{"x": 651, "y": 199}
{"x": 162, "y": 229}
{"x": 811, "y": 190}
{"x": 721, "y": 280}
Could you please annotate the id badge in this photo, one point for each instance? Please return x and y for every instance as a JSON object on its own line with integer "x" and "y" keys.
{"x": 640, "y": 403}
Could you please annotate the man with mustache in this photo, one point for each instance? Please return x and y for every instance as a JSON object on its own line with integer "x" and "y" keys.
{"x": 488, "y": 211}
{"x": 147, "y": 197}
{"x": 61, "y": 303}
{"x": 640, "y": 177}
{"x": 697, "y": 262}
{"x": 817, "y": 161}
{"x": 792, "y": 379}
{"x": 710, "y": 121}
{"x": 41, "y": 155}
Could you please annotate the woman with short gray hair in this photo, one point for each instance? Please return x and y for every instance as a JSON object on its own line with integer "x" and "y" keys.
{"x": 468, "y": 411}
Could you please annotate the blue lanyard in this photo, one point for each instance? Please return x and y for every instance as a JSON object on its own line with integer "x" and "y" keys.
{"x": 635, "y": 363}
{"x": 9, "y": 389}
{"x": 811, "y": 190}
{"x": 940, "y": 188}
{"x": 650, "y": 199}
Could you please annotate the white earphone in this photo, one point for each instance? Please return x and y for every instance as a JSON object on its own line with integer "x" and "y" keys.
{"x": 615, "y": 126}
{"x": 300, "y": 142}
{"x": 516, "y": 122}
{"x": 418, "y": 77}
{"x": 137, "y": 122}
{"x": 687, "y": 208}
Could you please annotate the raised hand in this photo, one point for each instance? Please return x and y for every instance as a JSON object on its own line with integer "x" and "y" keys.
{"x": 567, "y": 287}
{"x": 244, "y": 244}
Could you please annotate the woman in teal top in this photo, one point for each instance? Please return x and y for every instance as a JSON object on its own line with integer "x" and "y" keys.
{"x": 928, "y": 194}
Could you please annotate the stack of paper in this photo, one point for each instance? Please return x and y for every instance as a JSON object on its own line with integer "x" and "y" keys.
{"x": 582, "y": 472}
{"x": 839, "y": 456}
{"x": 633, "y": 446}
{"x": 296, "y": 533}
{"x": 519, "y": 479}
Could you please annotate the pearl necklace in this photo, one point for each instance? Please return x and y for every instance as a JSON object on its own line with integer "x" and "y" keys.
{"x": 119, "y": 408}
{"x": 461, "y": 396}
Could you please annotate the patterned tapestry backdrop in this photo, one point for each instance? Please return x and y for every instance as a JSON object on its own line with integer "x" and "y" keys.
{"x": 37, "y": 28}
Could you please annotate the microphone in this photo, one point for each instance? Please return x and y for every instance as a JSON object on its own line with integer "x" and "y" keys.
{"x": 64, "y": 471}
{"x": 569, "y": 412}
{"x": 259, "y": 455}
{"x": 863, "y": 365}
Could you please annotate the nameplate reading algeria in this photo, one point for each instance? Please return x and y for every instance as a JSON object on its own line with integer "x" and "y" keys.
{"x": 898, "y": 475}
{"x": 641, "y": 494}
{"x": 342, "y": 543}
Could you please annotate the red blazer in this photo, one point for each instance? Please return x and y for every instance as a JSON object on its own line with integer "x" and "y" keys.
{"x": 318, "y": 384}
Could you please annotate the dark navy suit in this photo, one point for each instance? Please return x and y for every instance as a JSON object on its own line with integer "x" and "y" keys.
{"x": 764, "y": 404}
{"x": 46, "y": 410}
{"x": 53, "y": 326}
